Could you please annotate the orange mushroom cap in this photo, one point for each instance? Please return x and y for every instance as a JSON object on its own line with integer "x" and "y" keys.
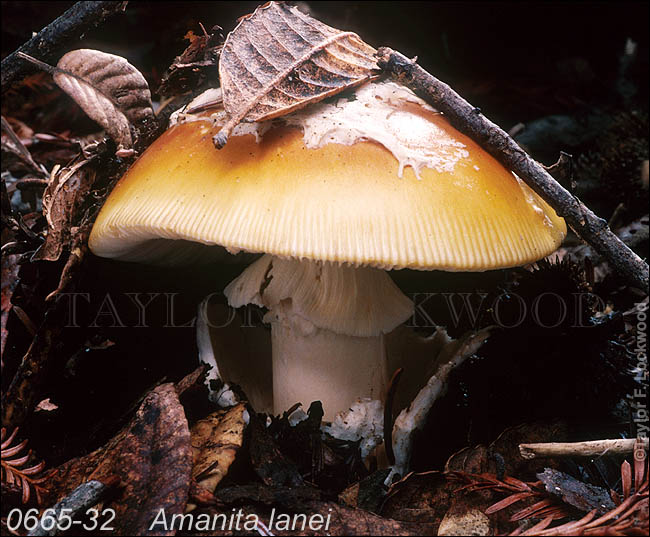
{"x": 418, "y": 195}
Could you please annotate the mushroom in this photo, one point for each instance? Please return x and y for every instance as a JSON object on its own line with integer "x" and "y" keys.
{"x": 335, "y": 195}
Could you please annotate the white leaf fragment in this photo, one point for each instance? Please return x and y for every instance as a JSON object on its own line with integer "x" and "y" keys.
{"x": 364, "y": 421}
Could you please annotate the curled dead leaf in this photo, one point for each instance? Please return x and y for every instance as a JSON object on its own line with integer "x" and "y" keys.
{"x": 107, "y": 87}
{"x": 278, "y": 60}
{"x": 10, "y": 269}
{"x": 581, "y": 495}
{"x": 152, "y": 458}
{"x": 467, "y": 521}
{"x": 423, "y": 498}
{"x": 270, "y": 464}
{"x": 78, "y": 250}
{"x": 14, "y": 149}
{"x": 368, "y": 494}
{"x": 314, "y": 518}
{"x": 65, "y": 193}
{"x": 198, "y": 64}
{"x": 216, "y": 439}
{"x": 502, "y": 457}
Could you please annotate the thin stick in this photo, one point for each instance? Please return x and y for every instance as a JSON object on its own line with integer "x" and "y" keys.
{"x": 495, "y": 141}
{"x": 24, "y": 152}
{"x": 412, "y": 419}
{"x": 25, "y": 388}
{"x": 79, "y": 500}
{"x": 579, "y": 449}
{"x": 388, "y": 415}
{"x": 48, "y": 43}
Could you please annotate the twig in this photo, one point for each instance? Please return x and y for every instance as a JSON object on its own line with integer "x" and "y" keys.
{"x": 79, "y": 500}
{"x": 495, "y": 141}
{"x": 47, "y": 43}
{"x": 25, "y": 388}
{"x": 412, "y": 419}
{"x": 22, "y": 150}
{"x": 388, "y": 415}
{"x": 31, "y": 183}
{"x": 579, "y": 449}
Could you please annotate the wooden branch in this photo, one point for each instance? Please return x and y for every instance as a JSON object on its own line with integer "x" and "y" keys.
{"x": 47, "y": 44}
{"x": 25, "y": 389}
{"x": 495, "y": 141}
{"x": 77, "y": 503}
{"x": 580, "y": 449}
{"x": 388, "y": 415}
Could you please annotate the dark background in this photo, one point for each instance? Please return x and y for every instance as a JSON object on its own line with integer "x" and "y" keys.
{"x": 516, "y": 60}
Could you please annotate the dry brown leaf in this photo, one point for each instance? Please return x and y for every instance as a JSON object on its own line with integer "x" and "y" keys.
{"x": 22, "y": 130}
{"x": 216, "y": 440}
{"x": 480, "y": 491}
{"x": 422, "y": 498}
{"x": 313, "y": 518}
{"x": 62, "y": 200}
{"x": 576, "y": 493}
{"x": 457, "y": 498}
{"x": 460, "y": 520}
{"x": 503, "y": 456}
{"x": 368, "y": 494}
{"x": 269, "y": 462}
{"x": 294, "y": 497}
{"x": 198, "y": 64}
{"x": 10, "y": 269}
{"x": 46, "y": 406}
{"x": 191, "y": 380}
{"x": 107, "y": 87}
{"x": 557, "y": 496}
{"x": 153, "y": 460}
{"x": 14, "y": 150}
{"x": 345, "y": 520}
{"x": 78, "y": 250}
{"x": 279, "y": 59}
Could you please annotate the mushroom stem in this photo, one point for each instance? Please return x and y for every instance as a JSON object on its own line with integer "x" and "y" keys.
{"x": 328, "y": 322}
{"x": 333, "y": 368}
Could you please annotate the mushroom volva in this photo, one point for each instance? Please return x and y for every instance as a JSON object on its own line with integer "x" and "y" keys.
{"x": 334, "y": 196}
